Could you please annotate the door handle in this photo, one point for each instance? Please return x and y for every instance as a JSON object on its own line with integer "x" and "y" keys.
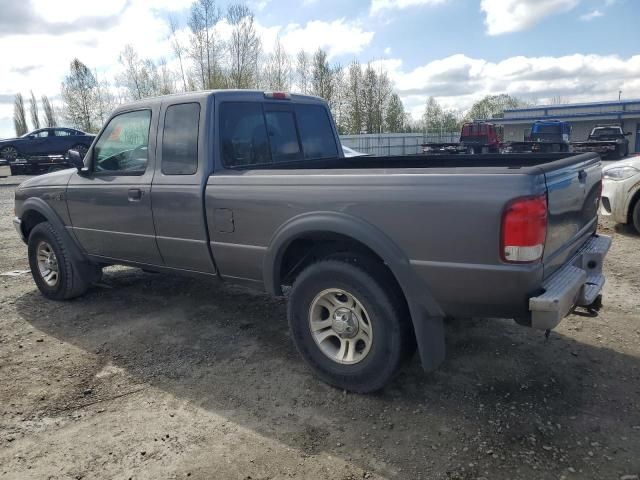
{"x": 135, "y": 194}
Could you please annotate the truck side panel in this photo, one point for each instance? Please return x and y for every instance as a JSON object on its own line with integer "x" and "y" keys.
{"x": 430, "y": 216}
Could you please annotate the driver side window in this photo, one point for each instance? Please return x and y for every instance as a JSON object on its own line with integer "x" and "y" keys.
{"x": 123, "y": 146}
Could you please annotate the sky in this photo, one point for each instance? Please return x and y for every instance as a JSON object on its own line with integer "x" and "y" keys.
{"x": 455, "y": 50}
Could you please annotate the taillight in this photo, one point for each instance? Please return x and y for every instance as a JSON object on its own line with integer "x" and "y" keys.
{"x": 524, "y": 229}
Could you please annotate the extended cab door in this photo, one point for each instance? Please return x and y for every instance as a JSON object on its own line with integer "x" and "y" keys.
{"x": 178, "y": 186}
{"x": 110, "y": 205}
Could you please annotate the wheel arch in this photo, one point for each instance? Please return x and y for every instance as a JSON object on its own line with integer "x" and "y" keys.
{"x": 426, "y": 314}
{"x": 35, "y": 210}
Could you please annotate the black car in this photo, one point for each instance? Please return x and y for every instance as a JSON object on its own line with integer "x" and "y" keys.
{"x": 38, "y": 149}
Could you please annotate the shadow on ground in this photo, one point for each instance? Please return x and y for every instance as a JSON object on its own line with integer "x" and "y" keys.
{"x": 504, "y": 400}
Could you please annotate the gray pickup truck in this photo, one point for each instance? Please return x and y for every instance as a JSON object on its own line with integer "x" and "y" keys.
{"x": 373, "y": 253}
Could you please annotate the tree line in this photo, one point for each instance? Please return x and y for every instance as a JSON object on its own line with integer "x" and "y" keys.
{"x": 361, "y": 97}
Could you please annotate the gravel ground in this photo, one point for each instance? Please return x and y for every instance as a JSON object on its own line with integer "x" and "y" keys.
{"x": 155, "y": 376}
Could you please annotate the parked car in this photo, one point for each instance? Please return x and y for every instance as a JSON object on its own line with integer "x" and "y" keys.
{"x": 38, "y": 149}
{"x": 621, "y": 192}
{"x": 252, "y": 187}
{"x": 606, "y": 140}
{"x": 475, "y": 137}
{"x": 5, "y": 168}
{"x": 350, "y": 152}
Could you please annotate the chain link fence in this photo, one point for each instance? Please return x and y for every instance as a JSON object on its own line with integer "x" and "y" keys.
{"x": 396, "y": 143}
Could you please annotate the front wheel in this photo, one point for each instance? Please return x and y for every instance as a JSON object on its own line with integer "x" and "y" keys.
{"x": 81, "y": 149}
{"x": 56, "y": 274}
{"x": 349, "y": 324}
{"x": 635, "y": 216}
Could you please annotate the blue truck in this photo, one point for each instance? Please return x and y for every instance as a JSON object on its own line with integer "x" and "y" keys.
{"x": 546, "y": 136}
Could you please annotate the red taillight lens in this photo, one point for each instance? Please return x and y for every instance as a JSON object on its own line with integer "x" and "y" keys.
{"x": 278, "y": 95}
{"x": 524, "y": 229}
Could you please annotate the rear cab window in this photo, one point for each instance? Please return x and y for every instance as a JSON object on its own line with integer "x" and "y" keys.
{"x": 180, "y": 139}
{"x": 263, "y": 133}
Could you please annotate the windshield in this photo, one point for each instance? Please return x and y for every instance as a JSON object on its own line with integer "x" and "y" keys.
{"x": 602, "y": 132}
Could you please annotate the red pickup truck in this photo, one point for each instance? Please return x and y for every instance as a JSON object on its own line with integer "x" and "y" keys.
{"x": 475, "y": 137}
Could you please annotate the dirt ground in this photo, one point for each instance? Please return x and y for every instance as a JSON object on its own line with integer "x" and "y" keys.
{"x": 160, "y": 377}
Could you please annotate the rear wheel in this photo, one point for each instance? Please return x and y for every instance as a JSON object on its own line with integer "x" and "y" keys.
{"x": 56, "y": 274}
{"x": 349, "y": 325}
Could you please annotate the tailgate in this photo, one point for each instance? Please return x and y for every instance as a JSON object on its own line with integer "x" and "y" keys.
{"x": 573, "y": 189}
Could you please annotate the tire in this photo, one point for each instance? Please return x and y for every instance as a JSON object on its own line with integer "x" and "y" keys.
{"x": 47, "y": 253}
{"x": 371, "y": 359}
{"x": 81, "y": 149}
{"x": 635, "y": 216}
{"x": 9, "y": 153}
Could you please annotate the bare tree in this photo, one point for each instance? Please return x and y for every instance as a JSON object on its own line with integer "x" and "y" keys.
{"x": 395, "y": 116}
{"x": 354, "y": 98}
{"x": 106, "y": 101}
{"x": 369, "y": 90}
{"x": 339, "y": 97}
{"x": 33, "y": 109}
{"x": 49, "y": 113}
{"x": 167, "y": 78}
{"x": 205, "y": 47}
{"x": 321, "y": 78}
{"x": 139, "y": 76}
{"x": 79, "y": 94}
{"x": 277, "y": 70}
{"x": 19, "y": 116}
{"x": 303, "y": 71}
{"x": 382, "y": 95}
{"x": 178, "y": 49}
{"x": 244, "y": 47}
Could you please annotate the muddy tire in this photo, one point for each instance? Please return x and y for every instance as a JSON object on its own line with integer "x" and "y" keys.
{"x": 55, "y": 273}
{"x": 349, "y": 323}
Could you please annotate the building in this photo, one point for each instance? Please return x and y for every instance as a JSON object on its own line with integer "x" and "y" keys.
{"x": 583, "y": 117}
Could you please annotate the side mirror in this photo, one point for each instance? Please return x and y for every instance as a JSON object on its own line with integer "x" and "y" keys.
{"x": 76, "y": 159}
{"x": 626, "y": 134}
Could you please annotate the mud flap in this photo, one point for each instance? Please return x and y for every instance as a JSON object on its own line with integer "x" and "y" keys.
{"x": 430, "y": 339}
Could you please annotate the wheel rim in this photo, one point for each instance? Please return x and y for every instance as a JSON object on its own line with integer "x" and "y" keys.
{"x": 47, "y": 264}
{"x": 9, "y": 153}
{"x": 340, "y": 326}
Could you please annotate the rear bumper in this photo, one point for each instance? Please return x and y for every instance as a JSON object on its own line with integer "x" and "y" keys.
{"x": 579, "y": 282}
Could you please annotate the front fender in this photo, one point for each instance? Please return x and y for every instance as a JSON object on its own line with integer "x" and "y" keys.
{"x": 36, "y": 204}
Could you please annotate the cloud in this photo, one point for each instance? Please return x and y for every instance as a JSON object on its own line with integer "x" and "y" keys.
{"x": 507, "y": 16}
{"x": 458, "y": 80}
{"x": 338, "y": 37}
{"x": 379, "y": 5}
{"x": 587, "y": 17}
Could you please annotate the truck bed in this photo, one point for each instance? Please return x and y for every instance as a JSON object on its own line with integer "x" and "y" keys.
{"x": 521, "y": 161}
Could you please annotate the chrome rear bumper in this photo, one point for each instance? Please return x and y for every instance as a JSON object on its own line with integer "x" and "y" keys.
{"x": 579, "y": 282}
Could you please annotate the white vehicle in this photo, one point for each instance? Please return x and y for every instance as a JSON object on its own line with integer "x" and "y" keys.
{"x": 621, "y": 192}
